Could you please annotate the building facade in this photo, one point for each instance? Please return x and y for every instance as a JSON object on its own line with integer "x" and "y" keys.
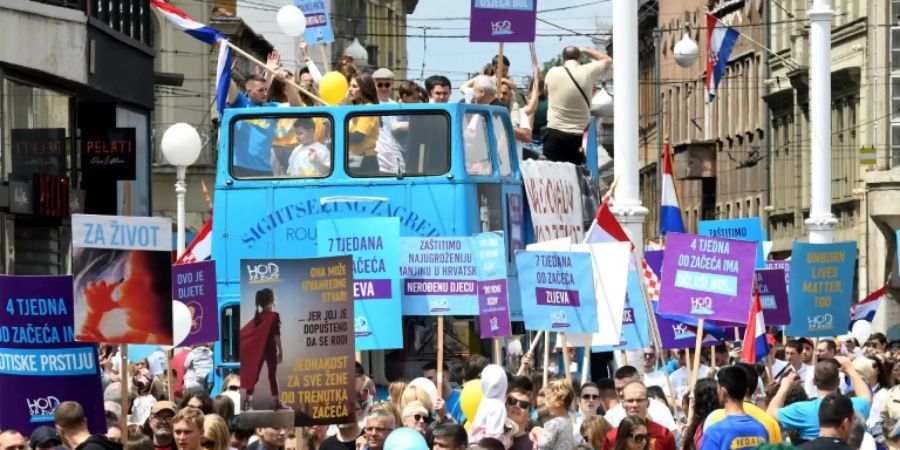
{"x": 75, "y": 103}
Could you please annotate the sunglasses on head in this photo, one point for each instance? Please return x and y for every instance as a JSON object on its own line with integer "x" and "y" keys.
{"x": 383, "y": 85}
{"x": 522, "y": 404}
{"x": 590, "y": 397}
{"x": 638, "y": 438}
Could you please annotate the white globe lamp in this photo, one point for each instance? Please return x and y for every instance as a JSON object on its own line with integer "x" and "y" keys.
{"x": 181, "y": 147}
{"x": 686, "y": 51}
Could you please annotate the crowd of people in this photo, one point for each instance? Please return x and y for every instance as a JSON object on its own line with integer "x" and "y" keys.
{"x": 813, "y": 395}
{"x": 548, "y": 120}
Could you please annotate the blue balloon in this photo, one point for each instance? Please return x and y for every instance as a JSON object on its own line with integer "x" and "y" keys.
{"x": 405, "y": 439}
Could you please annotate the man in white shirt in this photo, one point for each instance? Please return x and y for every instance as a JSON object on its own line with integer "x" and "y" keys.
{"x": 652, "y": 375}
{"x": 658, "y": 412}
{"x": 388, "y": 150}
{"x": 793, "y": 353}
{"x": 680, "y": 378}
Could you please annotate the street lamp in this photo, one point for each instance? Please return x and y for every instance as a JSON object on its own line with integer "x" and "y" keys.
{"x": 686, "y": 50}
{"x": 181, "y": 146}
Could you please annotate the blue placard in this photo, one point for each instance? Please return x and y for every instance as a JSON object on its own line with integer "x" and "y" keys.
{"x": 821, "y": 288}
{"x": 374, "y": 244}
{"x": 557, "y": 291}
{"x": 439, "y": 276}
{"x": 747, "y": 229}
{"x": 635, "y": 323}
{"x": 318, "y": 24}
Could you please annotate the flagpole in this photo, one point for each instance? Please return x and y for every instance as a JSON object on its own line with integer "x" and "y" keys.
{"x": 263, "y": 65}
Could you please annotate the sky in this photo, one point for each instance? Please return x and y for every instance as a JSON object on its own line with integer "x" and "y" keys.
{"x": 457, "y": 57}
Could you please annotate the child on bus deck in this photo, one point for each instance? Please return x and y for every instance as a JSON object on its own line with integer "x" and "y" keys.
{"x": 310, "y": 158}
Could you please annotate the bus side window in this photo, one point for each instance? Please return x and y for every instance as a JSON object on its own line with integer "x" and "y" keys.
{"x": 282, "y": 147}
{"x": 501, "y": 132}
{"x": 413, "y": 144}
{"x": 475, "y": 143}
{"x": 428, "y": 145}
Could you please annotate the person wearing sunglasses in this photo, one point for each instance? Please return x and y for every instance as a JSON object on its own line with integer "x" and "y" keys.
{"x": 588, "y": 402}
{"x": 652, "y": 375}
{"x": 215, "y": 433}
{"x": 518, "y": 410}
{"x": 637, "y": 404}
{"x": 632, "y": 435}
{"x": 415, "y": 416}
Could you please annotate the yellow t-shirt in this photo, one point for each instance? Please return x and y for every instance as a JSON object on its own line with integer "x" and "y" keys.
{"x": 755, "y": 412}
{"x": 369, "y": 126}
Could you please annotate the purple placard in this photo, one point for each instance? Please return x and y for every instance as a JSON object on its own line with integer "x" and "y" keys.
{"x": 515, "y": 213}
{"x": 681, "y": 335}
{"x": 773, "y": 296}
{"x": 493, "y": 309}
{"x": 707, "y": 277}
{"x": 783, "y": 265}
{"x": 430, "y": 286}
{"x": 194, "y": 285}
{"x": 557, "y": 297}
{"x": 503, "y": 20}
{"x": 44, "y": 367}
{"x": 372, "y": 289}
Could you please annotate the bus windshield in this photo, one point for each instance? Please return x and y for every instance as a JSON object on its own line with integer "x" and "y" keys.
{"x": 392, "y": 143}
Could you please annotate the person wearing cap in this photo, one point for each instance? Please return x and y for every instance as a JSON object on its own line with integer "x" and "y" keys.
{"x": 12, "y": 440}
{"x": 44, "y": 438}
{"x": 388, "y": 150}
{"x": 161, "y": 415}
{"x": 72, "y": 426}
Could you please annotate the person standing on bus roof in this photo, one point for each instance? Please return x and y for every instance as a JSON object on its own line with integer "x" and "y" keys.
{"x": 261, "y": 340}
{"x": 569, "y": 89}
{"x": 438, "y": 88}
{"x": 363, "y": 130}
{"x": 390, "y": 154}
{"x": 252, "y": 139}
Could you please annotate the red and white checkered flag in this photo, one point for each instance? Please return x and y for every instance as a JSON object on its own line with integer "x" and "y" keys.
{"x": 201, "y": 247}
{"x": 651, "y": 280}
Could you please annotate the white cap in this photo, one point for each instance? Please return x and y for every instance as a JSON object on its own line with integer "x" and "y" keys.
{"x": 383, "y": 74}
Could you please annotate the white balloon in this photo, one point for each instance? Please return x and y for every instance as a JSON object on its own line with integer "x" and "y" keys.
{"x": 181, "y": 322}
{"x": 428, "y": 386}
{"x": 291, "y": 20}
{"x": 861, "y": 331}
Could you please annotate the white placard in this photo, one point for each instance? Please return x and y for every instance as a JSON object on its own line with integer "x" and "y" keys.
{"x": 122, "y": 232}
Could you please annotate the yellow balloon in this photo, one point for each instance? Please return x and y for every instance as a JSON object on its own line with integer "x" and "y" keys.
{"x": 470, "y": 398}
{"x": 333, "y": 87}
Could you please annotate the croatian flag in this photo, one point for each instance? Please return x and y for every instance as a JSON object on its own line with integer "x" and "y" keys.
{"x": 720, "y": 40}
{"x": 206, "y": 34}
{"x": 201, "y": 247}
{"x": 187, "y": 24}
{"x": 605, "y": 227}
{"x": 669, "y": 212}
{"x": 756, "y": 347}
{"x": 865, "y": 309}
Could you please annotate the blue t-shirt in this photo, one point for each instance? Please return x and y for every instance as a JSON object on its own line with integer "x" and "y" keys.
{"x": 804, "y": 416}
{"x": 252, "y": 139}
{"x": 734, "y": 432}
{"x": 454, "y": 408}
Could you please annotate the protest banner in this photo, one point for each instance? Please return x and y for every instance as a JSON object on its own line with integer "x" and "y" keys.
{"x": 773, "y": 296}
{"x": 781, "y": 265}
{"x": 194, "y": 284}
{"x": 374, "y": 244}
{"x": 554, "y": 199}
{"x": 493, "y": 290}
{"x": 297, "y": 317}
{"x": 123, "y": 279}
{"x": 318, "y": 25}
{"x": 502, "y": 21}
{"x": 557, "y": 291}
{"x": 635, "y": 321}
{"x": 746, "y": 229}
{"x": 610, "y": 265}
{"x": 439, "y": 276}
{"x": 41, "y": 364}
{"x": 675, "y": 334}
{"x": 821, "y": 288}
{"x": 707, "y": 278}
